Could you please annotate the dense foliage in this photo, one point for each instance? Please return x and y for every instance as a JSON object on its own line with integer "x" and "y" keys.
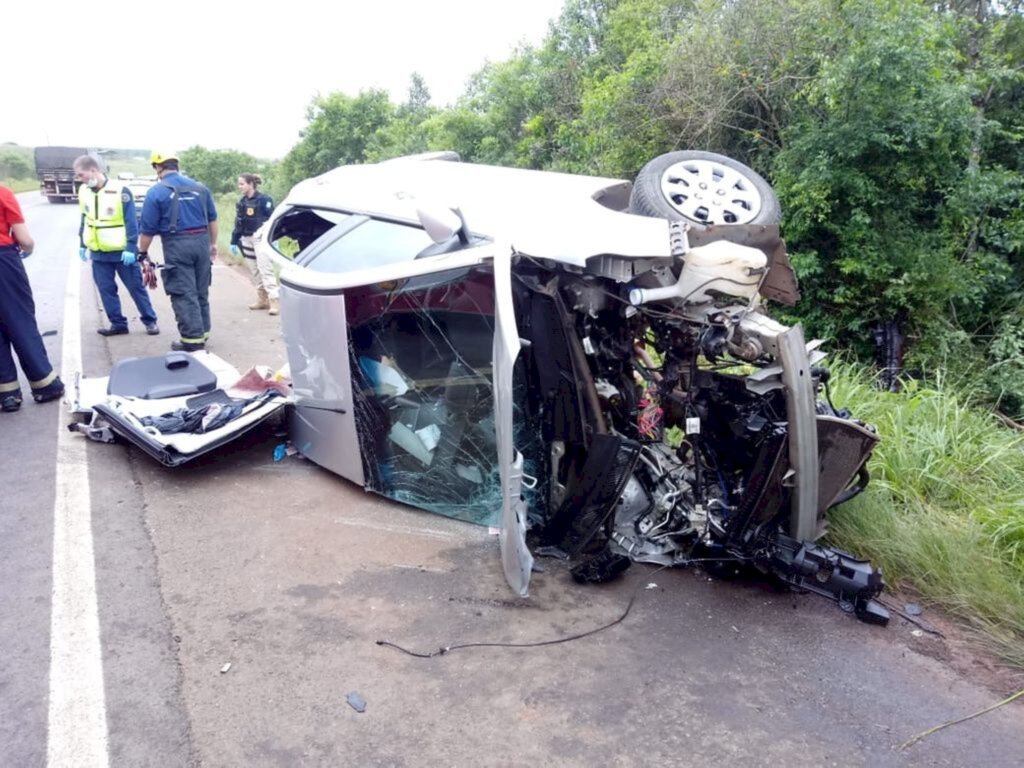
{"x": 891, "y": 130}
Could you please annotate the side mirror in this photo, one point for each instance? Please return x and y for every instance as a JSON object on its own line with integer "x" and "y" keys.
{"x": 440, "y": 223}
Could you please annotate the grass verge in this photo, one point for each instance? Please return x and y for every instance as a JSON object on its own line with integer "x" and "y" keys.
{"x": 21, "y": 185}
{"x": 944, "y": 513}
{"x": 226, "y": 217}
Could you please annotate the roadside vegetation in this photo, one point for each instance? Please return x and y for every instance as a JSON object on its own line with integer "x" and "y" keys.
{"x": 944, "y": 513}
{"x": 17, "y": 169}
{"x": 893, "y": 133}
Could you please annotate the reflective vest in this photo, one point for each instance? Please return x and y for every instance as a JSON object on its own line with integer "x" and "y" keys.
{"x": 104, "y": 228}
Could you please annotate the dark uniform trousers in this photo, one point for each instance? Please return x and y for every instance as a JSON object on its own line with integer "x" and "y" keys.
{"x": 187, "y": 275}
{"x": 103, "y": 273}
{"x": 18, "y": 327}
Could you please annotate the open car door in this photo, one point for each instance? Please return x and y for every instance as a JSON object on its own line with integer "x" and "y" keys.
{"x": 403, "y": 383}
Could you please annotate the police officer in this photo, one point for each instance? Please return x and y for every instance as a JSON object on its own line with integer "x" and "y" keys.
{"x": 254, "y": 208}
{"x": 182, "y": 213}
{"x": 107, "y": 235}
{"x": 18, "y": 327}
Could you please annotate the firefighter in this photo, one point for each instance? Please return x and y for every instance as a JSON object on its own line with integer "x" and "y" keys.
{"x": 108, "y": 235}
{"x": 182, "y": 213}
{"x": 18, "y": 329}
{"x": 254, "y": 208}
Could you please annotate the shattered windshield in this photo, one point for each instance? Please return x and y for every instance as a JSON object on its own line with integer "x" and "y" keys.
{"x": 423, "y": 393}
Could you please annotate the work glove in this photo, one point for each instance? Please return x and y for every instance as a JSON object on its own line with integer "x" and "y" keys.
{"x": 83, "y": 253}
{"x": 128, "y": 258}
{"x": 234, "y": 249}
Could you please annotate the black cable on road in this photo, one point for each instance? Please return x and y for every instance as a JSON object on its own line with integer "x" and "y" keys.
{"x": 445, "y": 649}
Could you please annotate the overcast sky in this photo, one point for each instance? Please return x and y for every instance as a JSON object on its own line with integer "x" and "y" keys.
{"x": 234, "y": 74}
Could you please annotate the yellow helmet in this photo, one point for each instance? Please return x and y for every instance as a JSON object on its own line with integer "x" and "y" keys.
{"x": 159, "y": 158}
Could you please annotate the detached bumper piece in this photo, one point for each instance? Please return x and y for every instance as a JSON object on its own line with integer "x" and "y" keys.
{"x": 853, "y": 583}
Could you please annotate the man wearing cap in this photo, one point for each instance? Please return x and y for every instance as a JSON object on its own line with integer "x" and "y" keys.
{"x": 108, "y": 233}
{"x": 181, "y": 211}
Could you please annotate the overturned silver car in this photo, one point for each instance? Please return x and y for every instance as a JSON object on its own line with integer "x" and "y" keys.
{"x": 578, "y": 360}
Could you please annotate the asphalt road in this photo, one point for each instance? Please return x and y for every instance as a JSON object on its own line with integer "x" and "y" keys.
{"x": 290, "y": 574}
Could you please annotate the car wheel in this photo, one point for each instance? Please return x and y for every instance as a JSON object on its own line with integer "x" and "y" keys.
{"x": 703, "y": 188}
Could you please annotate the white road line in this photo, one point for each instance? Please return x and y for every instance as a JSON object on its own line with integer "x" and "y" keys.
{"x": 78, "y": 718}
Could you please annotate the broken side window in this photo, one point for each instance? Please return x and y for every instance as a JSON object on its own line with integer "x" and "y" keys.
{"x": 299, "y": 228}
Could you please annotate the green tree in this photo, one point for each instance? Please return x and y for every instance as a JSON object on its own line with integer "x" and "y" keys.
{"x": 405, "y": 134}
{"x": 339, "y": 131}
{"x": 15, "y": 165}
{"x": 219, "y": 169}
{"x": 418, "y": 102}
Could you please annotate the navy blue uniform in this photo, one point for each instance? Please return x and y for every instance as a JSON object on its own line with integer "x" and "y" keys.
{"x": 106, "y": 265}
{"x": 179, "y": 210}
{"x": 250, "y": 213}
{"x": 18, "y": 330}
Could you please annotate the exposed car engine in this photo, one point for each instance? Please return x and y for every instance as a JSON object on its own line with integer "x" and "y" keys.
{"x": 678, "y": 431}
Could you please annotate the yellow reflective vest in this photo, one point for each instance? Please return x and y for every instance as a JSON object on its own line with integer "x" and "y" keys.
{"x": 103, "y": 228}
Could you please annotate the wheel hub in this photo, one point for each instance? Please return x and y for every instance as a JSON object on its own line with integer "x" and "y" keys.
{"x": 709, "y": 192}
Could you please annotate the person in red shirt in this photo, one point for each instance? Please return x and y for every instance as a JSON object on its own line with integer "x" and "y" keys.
{"x": 19, "y": 333}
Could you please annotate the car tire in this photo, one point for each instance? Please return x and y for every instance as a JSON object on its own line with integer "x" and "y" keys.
{"x": 704, "y": 189}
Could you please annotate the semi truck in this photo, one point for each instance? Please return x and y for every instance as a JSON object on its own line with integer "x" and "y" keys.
{"x": 54, "y": 169}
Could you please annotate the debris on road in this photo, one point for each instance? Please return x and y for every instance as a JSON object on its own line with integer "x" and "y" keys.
{"x": 225, "y": 668}
{"x": 357, "y": 702}
{"x": 175, "y": 406}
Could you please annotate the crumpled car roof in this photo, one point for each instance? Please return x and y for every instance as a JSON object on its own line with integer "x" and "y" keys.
{"x": 540, "y": 213}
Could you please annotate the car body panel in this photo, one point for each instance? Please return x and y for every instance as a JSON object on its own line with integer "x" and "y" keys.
{"x": 506, "y": 204}
{"x": 120, "y": 404}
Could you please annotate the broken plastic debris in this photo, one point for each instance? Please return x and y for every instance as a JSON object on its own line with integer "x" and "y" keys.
{"x": 385, "y": 380}
{"x": 291, "y": 450}
{"x": 492, "y": 531}
{"x": 411, "y": 442}
{"x": 917, "y": 633}
{"x": 430, "y": 436}
{"x": 280, "y": 451}
{"x": 552, "y": 551}
{"x": 469, "y": 472}
{"x": 357, "y": 702}
{"x": 225, "y": 668}
{"x": 912, "y": 609}
{"x": 651, "y": 585}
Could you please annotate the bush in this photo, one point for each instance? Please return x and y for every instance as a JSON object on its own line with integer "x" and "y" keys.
{"x": 944, "y": 513}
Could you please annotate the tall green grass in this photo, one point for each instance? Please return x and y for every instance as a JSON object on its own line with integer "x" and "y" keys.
{"x": 944, "y": 513}
{"x": 226, "y": 217}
